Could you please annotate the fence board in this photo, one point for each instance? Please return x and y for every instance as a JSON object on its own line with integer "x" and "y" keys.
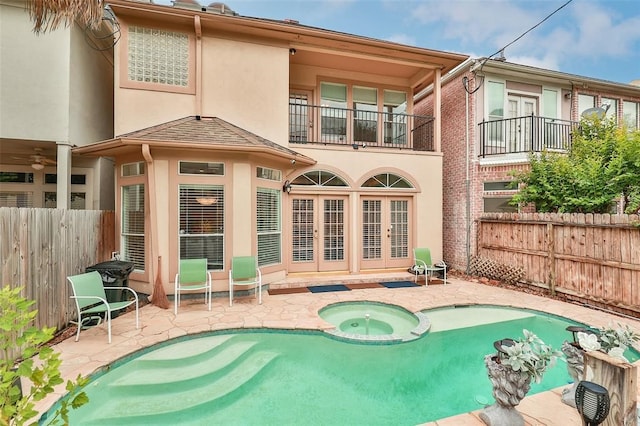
{"x": 596, "y": 257}
{"x": 39, "y": 248}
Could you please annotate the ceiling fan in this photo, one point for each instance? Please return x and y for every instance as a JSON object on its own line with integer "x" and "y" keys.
{"x": 38, "y": 161}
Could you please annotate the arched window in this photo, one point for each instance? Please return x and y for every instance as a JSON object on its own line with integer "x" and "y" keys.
{"x": 319, "y": 178}
{"x": 387, "y": 180}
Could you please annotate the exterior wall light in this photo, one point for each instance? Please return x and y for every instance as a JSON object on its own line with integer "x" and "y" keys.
{"x": 592, "y": 402}
{"x": 286, "y": 187}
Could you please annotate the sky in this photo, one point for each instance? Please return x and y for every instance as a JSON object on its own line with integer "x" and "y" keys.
{"x": 591, "y": 38}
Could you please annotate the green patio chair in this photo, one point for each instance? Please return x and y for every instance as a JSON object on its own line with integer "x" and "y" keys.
{"x": 192, "y": 275}
{"x": 245, "y": 272}
{"x": 424, "y": 265}
{"x": 89, "y": 295}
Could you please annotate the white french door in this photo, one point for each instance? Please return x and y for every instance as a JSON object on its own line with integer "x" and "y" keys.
{"x": 385, "y": 232}
{"x": 520, "y": 130}
{"x": 319, "y": 233}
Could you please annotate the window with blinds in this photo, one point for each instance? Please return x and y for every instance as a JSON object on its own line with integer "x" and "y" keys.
{"x": 268, "y": 226}
{"x": 16, "y": 199}
{"x": 202, "y": 224}
{"x": 132, "y": 225}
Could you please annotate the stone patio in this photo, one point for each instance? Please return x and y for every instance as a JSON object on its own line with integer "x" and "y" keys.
{"x": 300, "y": 311}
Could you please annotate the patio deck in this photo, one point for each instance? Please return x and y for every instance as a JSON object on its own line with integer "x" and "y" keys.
{"x": 300, "y": 311}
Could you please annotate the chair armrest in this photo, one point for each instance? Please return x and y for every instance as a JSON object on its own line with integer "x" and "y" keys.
{"x": 420, "y": 263}
{"x": 92, "y": 297}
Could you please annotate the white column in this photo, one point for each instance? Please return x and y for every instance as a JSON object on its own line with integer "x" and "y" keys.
{"x": 63, "y": 188}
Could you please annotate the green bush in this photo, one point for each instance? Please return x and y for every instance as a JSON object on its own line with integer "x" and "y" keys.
{"x": 35, "y": 361}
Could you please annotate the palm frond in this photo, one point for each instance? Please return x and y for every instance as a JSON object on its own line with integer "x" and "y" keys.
{"x": 48, "y": 15}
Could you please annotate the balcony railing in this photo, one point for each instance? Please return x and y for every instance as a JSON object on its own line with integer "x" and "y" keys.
{"x": 314, "y": 124}
{"x": 525, "y": 134}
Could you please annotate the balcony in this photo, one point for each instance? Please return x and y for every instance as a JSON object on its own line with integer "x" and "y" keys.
{"x": 313, "y": 124}
{"x": 525, "y": 134}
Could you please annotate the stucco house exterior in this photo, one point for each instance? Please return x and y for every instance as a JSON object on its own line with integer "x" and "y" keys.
{"x": 496, "y": 113}
{"x": 56, "y": 92}
{"x": 243, "y": 136}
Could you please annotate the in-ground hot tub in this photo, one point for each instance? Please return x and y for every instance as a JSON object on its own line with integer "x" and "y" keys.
{"x": 374, "y": 322}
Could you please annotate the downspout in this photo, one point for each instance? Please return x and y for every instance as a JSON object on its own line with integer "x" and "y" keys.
{"x": 153, "y": 225}
{"x": 466, "y": 182}
{"x": 198, "y": 83}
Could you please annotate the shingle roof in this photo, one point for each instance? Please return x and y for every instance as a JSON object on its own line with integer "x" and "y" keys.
{"x": 208, "y": 131}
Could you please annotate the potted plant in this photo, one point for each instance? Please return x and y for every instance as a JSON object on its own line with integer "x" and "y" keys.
{"x": 612, "y": 340}
{"x": 511, "y": 370}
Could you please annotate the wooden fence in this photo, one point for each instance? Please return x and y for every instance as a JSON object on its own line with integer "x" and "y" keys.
{"x": 590, "y": 257}
{"x": 39, "y": 248}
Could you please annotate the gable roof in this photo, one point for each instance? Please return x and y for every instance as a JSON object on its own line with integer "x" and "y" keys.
{"x": 195, "y": 132}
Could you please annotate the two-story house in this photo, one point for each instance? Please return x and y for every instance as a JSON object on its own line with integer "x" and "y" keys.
{"x": 246, "y": 136}
{"x": 496, "y": 114}
{"x": 56, "y": 92}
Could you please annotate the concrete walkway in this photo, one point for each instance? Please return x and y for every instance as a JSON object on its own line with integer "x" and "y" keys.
{"x": 300, "y": 311}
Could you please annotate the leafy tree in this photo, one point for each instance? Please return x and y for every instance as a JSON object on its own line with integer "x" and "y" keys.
{"x": 602, "y": 165}
{"x": 37, "y": 363}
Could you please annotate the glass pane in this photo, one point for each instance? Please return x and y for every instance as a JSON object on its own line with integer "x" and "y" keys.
{"x": 550, "y": 102}
{"x": 302, "y": 230}
{"x": 298, "y": 117}
{"x": 133, "y": 169}
{"x": 495, "y": 102}
{"x": 371, "y": 229}
{"x": 269, "y": 174}
{"x": 193, "y": 168}
{"x": 630, "y": 113}
{"x": 132, "y": 225}
{"x": 268, "y": 226}
{"x": 15, "y": 177}
{"x": 16, "y": 199}
{"x": 399, "y": 230}
{"x": 585, "y": 102}
{"x": 201, "y": 224}
{"x": 334, "y": 94}
{"x": 497, "y": 186}
{"x": 499, "y": 205}
{"x": 333, "y": 230}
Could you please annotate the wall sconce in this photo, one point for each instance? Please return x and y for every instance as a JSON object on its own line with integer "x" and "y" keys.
{"x": 355, "y": 145}
{"x": 592, "y": 402}
{"x": 286, "y": 187}
{"x": 567, "y": 95}
{"x": 292, "y": 51}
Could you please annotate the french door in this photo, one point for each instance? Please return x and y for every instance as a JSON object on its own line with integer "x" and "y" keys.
{"x": 520, "y": 130}
{"x": 319, "y": 233}
{"x": 385, "y": 232}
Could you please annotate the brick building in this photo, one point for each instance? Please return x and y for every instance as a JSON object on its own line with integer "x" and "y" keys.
{"x": 495, "y": 113}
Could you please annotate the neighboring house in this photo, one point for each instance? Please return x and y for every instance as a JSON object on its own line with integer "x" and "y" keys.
{"x": 496, "y": 113}
{"x": 246, "y": 136}
{"x": 56, "y": 92}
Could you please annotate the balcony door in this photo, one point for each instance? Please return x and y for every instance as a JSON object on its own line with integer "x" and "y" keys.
{"x": 318, "y": 233}
{"x": 520, "y": 131}
{"x": 385, "y": 232}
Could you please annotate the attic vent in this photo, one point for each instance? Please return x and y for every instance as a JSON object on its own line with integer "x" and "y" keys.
{"x": 291, "y": 21}
{"x": 221, "y": 9}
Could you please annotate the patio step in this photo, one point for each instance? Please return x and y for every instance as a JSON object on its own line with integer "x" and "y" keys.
{"x": 296, "y": 280}
{"x": 177, "y": 396}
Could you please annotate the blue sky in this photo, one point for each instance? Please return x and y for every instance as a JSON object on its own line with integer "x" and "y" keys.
{"x": 592, "y": 38}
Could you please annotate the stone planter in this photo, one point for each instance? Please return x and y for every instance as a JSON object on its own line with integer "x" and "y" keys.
{"x": 575, "y": 366}
{"x": 509, "y": 388}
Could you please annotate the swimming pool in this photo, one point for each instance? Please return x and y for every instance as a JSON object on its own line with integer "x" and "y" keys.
{"x": 273, "y": 377}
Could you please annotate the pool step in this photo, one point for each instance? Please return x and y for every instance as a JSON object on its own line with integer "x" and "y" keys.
{"x": 137, "y": 407}
{"x": 146, "y": 372}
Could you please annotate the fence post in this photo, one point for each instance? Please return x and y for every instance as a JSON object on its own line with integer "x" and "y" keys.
{"x": 551, "y": 258}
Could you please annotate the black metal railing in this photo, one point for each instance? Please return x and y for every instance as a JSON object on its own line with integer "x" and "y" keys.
{"x": 359, "y": 128}
{"x": 525, "y": 134}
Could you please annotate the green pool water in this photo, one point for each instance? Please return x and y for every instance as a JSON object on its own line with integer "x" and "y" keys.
{"x": 270, "y": 377}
